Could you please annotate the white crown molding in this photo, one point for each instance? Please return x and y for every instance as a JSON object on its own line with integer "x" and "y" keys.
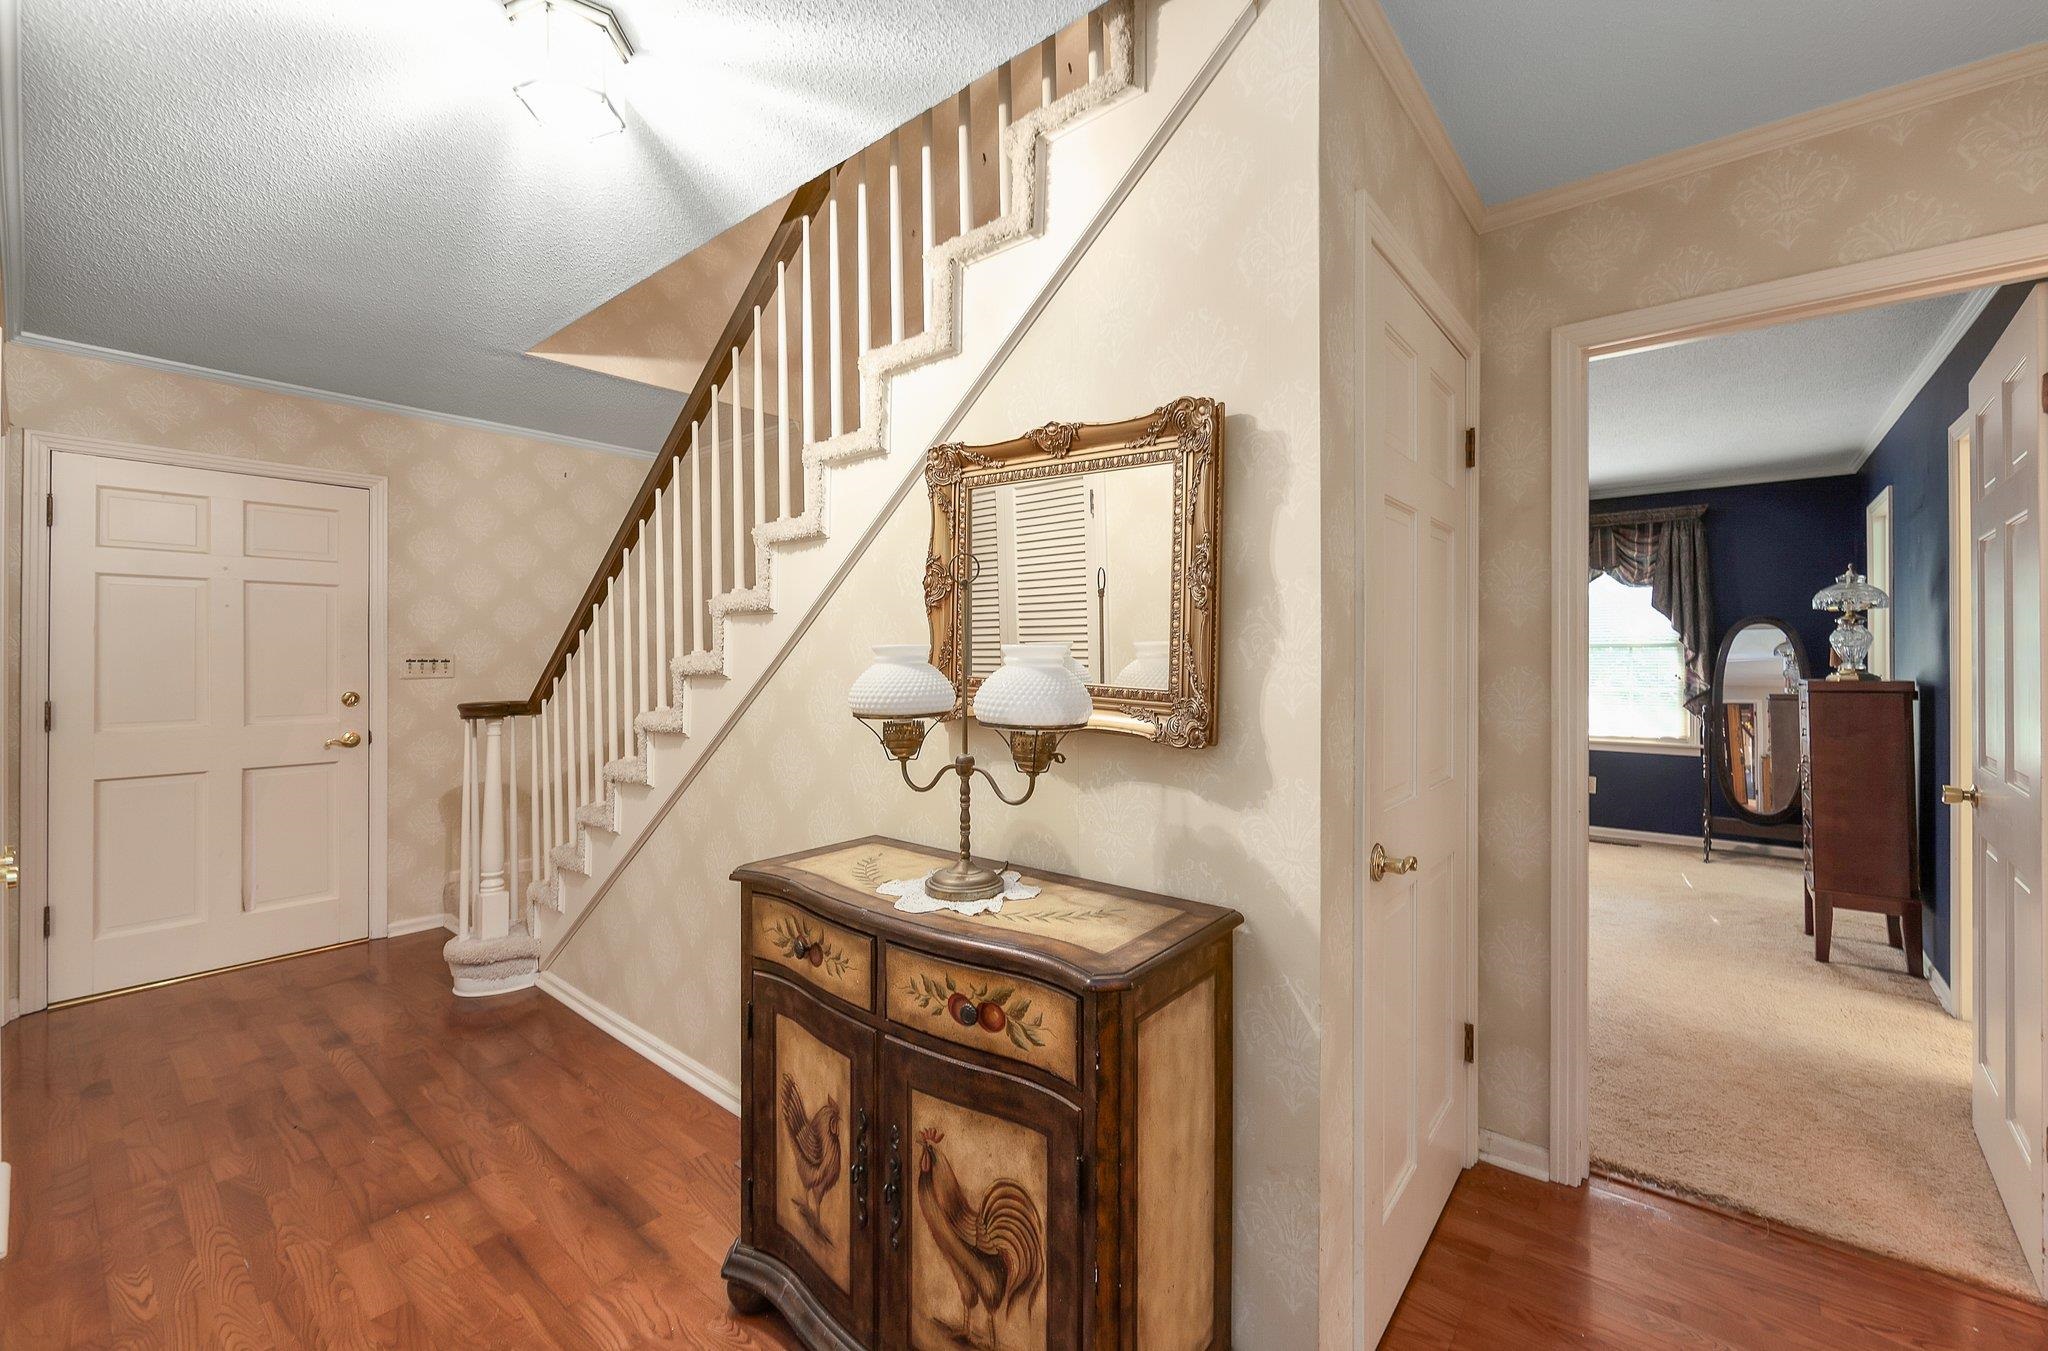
{"x": 1937, "y": 352}
{"x": 80, "y": 349}
{"x": 1864, "y": 108}
{"x": 10, "y": 163}
{"x": 1843, "y": 462}
{"x": 1392, "y": 58}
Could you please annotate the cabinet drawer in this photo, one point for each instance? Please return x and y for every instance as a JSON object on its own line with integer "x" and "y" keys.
{"x": 838, "y": 961}
{"x": 1018, "y": 1019}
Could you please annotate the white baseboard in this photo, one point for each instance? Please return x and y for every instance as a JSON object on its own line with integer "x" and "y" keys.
{"x": 1517, "y": 1156}
{"x": 399, "y": 928}
{"x": 1616, "y": 835}
{"x": 1941, "y": 990}
{"x": 6, "y": 1177}
{"x": 713, "y": 1086}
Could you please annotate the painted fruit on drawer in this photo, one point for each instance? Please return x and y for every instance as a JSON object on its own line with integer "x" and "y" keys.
{"x": 989, "y": 1011}
{"x": 829, "y": 957}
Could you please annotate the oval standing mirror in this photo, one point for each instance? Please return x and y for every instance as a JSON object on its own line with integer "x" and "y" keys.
{"x": 1753, "y": 720}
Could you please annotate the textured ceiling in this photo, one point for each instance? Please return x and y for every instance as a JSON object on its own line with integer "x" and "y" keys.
{"x": 1535, "y": 93}
{"x": 348, "y": 197}
{"x": 1792, "y": 401}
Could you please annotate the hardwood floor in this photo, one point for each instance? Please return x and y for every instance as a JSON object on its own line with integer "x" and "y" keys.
{"x": 1524, "y": 1264}
{"x": 334, "y": 1151}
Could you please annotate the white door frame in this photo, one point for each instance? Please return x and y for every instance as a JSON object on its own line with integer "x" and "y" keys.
{"x": 1992, "y": 260}
{"x": 1878, "y": 521}
{"x": 1342, "y": 1301}
{"x": 37, "y": 448}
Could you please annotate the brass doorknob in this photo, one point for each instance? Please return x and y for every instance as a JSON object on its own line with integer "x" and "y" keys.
{"x": 10, "y": 868}
{"x": 1384, "y": 863}
{"x": 1956, "y": 797}
{"x": 348, "y": 741}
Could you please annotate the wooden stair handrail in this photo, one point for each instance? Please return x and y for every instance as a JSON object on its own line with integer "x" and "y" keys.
{"x": 782, "y": 247}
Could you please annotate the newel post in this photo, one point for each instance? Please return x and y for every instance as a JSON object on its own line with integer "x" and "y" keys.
{"x": 494, "y": 950}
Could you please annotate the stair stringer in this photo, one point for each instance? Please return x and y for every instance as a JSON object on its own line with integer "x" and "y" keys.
{"x": 913, "y": 393}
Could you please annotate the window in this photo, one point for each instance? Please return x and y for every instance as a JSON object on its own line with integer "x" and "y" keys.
{"x": 1636, "y": 669}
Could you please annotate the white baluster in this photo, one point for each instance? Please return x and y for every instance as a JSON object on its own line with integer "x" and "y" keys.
{"x": 712, "y": 508}
{"x": 784, "y": 509}
{"x": 895, "y": 238}
{"x": 760, "y": 455}
{"x": 863, "y": 267}
{"x": 663, "y": 547}
{"x": 493, "y": 901}
{"x": 1003, "y": 101}
{"x": 641, "y": 662}
{"x": 687, "y": 549}
{"x": 465, "y": 876}
{"x": 927, "y": 218}
{"x": 513, "y": 835}
{"x": 739, "y": 484}
{"x": 809, "y": 311}
{"x": 608, "y": 706}
{"x": 833, "y": 326}
{"x": 963, "y": 135}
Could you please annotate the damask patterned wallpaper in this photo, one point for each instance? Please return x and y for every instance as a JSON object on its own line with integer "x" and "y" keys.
{"x": 492, "y": 539}
{"x": 1973, "y": 165}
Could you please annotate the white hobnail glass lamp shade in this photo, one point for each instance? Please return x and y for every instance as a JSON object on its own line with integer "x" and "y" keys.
{"x": 902, "y": 683}
{"x": 1148, "y": 667}
{"x": 1035, "y": 687}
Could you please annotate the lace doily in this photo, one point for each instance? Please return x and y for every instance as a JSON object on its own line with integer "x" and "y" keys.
{"x": 912, "y": 899}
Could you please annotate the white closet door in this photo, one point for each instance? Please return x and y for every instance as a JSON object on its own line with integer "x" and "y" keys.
{"x": 2007, "y": 441}
{"x": 210, "y": 632}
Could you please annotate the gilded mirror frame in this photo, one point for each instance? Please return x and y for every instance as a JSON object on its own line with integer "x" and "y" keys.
{"x": 1187, "y": 434}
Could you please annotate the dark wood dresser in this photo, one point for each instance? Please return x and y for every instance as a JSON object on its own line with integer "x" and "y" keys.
{"x": 1856, "y": 766}
{"x": 1006, "y": 1130}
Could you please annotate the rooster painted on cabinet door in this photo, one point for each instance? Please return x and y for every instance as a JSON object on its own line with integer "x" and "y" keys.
{"x": 815, "y": 1137}
{"x": 993, "y": 1244}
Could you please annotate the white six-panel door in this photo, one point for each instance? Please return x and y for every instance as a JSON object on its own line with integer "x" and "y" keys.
{"x": 209, "y": 637}
{"x": 2006, "y": 572}
{"x": 1412, "y": 931}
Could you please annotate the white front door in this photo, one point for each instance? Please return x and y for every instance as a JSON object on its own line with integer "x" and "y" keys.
{"x": 1411, "y": 1109}
{"x": 209, "y": 644}
{"x": 2006, "y": 571}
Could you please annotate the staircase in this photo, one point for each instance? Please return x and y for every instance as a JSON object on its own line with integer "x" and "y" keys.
{"x": 885, "y": 296}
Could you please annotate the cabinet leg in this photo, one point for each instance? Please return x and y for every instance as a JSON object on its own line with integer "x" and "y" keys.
{"x": 745, "y": 1299}
{"x": 1915, "y": 963}
{"x": 1891, "y": 931}
{"x": 1809, "y": 914}
{"x": 1823, "y": 929}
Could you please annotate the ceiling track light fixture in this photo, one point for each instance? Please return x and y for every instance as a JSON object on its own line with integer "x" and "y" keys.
{"x": 567, "y": 52}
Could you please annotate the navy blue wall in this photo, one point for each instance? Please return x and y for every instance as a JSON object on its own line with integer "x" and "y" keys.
{"x": 1912, "y": 460}
{"x": 1770, "y": 546}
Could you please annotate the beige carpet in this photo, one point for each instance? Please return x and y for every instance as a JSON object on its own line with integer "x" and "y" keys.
{"x": 1730, "y": 1065}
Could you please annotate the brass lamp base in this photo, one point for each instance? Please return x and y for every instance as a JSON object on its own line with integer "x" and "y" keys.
{"x": 963, "y": 880}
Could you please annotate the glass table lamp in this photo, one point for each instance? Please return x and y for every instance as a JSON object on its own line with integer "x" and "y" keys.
{"x": 1853, "y": 598}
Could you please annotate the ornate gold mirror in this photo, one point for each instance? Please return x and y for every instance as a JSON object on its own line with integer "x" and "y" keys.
{"x": 1100, "y": 535}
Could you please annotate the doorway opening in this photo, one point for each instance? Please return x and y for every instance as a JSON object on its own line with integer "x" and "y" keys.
{"x": 1762, "y": 932}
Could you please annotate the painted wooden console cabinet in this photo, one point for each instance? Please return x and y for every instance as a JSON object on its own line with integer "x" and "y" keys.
{"x": 1006, "y": 1130}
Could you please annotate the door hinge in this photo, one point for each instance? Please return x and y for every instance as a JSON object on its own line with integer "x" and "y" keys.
{"x": 1470, "y": 1049}
{"x": 2044, "y": 392}
{"x": 49, "y": 508}
{"x": 46, "y": 921}
{"x": 1471, "y": 447}
{"x": 49, "y": 715}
